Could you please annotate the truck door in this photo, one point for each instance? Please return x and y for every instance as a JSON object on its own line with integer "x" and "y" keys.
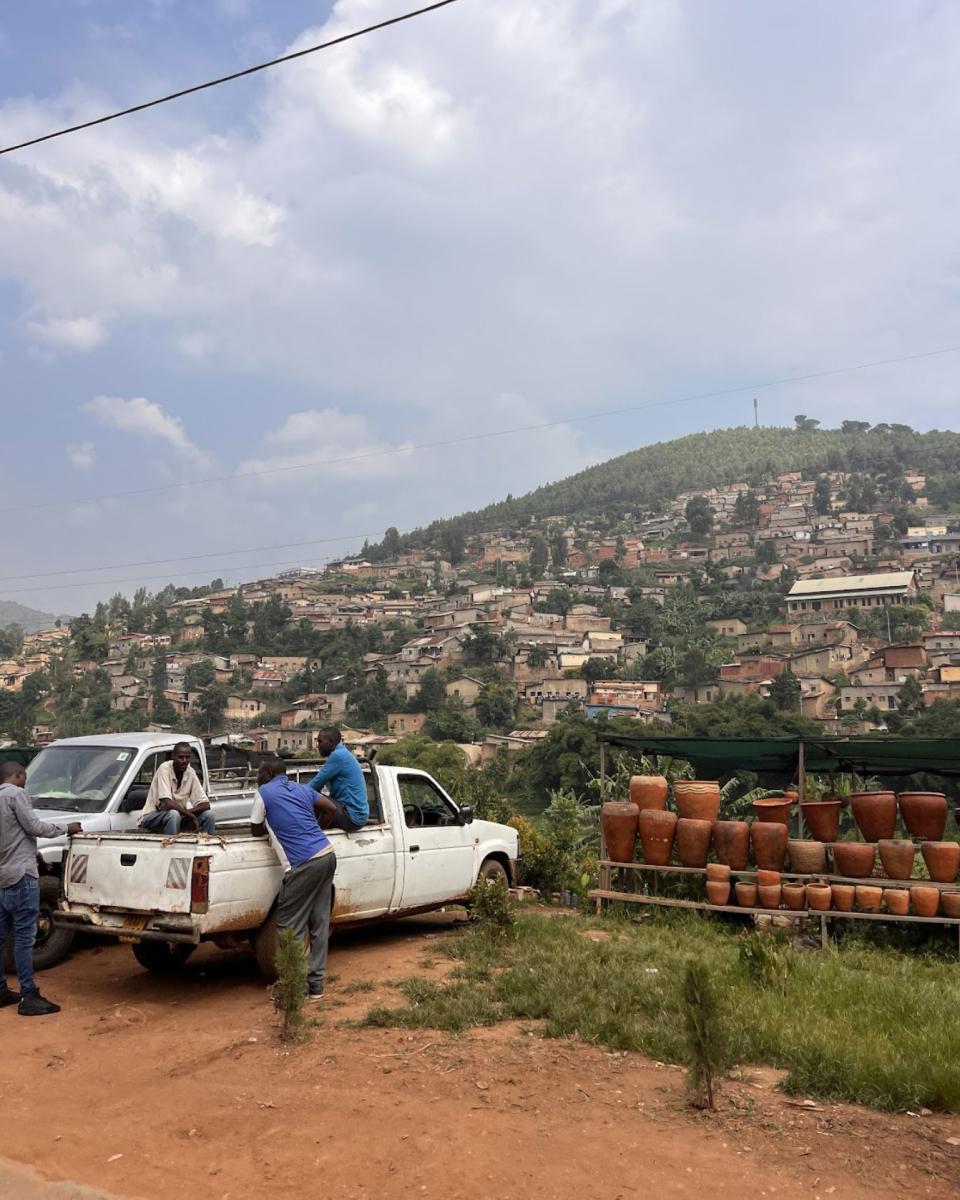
{"x": 439, "y": 851}
{"x": 132, "y": 801}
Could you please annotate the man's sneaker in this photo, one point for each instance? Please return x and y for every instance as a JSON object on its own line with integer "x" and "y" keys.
{"x": 313, "y": 997}
{"x": 8, "y": 997}
{"x": 32, "y": 1004}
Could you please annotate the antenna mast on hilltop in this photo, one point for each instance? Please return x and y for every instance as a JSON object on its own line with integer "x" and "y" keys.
{"x": 756, "y": 419}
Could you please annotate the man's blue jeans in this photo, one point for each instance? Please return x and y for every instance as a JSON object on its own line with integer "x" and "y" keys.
{"x": 19, "y": 909}
{"x": 169, "y": 821}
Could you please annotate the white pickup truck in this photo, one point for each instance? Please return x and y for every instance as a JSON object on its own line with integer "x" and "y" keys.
{"x": 418, "y": 851}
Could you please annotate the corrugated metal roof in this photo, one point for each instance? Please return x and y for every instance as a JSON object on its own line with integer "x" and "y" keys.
{"x": 852, "y": 583}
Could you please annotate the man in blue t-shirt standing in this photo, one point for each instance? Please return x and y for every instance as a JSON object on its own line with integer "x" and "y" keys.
{"x": 286, "y": 812}
{"x": 346, "y": 807}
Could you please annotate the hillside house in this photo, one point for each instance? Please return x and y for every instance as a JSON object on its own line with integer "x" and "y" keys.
{"x": 875, "y": 695}
{"x": 403, "y": 724}
{"x": 853, "y": 591}
{"x": 465, "y": 688}
{"x": 728, "y": 626}
{"x": 555, "y": 687}
{"x": 243, "y": 709}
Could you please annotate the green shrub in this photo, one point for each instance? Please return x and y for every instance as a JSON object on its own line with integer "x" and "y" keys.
{"x": 290, "y": 989}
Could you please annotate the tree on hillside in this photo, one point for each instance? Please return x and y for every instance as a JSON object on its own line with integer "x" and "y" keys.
{"x": 910, "y": 697}
{"x": 785, "y": 691}
{"x": 766, "y": 553}
{"x": 699, "y": 515}
{"x": 495, "y": 705}
{"x": 482, "y": 646}
{"x": 854, "y": 426}
{"x": 211, "y": 705}
{"x": 452, "y": 724}
{"x": 391, "y": 544}
{"x": 805, "y": 424}
{"x": 11, "y": 640}
{"x": 539, "y": 555}
{"x": 538, "y": 656}
{"x": 199, "y": 675}
{"x": 746, "y": 508}
{"x": 558, "y": 551}
{"x": 432, "y": 694}
{"x": 821, "y": 495}
{"x": 696, "y": 669}
{"x": 598, "y": 668}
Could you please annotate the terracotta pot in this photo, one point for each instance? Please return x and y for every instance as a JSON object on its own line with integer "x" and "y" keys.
{"x": 768, "y": 878}
{"x": 657, "y": 830}
{"x": 718, "y": 872}
{"x": 897, "y": 858}
{"x": 855, "y": 860}
{"x": 717, "y": 892}
{"x": 951, "y": 903}
{"x": 769, "y": 894}
{"x": 618, "y": 818}
{"x": 732, "y": 842}
{"x": 649, "y": 791}
{"x": 791, "y": 793}
{"x": 747, "y": 894}
{"x": 843, "y": 896}
{"x": 693, "y": 841}
{"x": 697, "y": 799}
{"x": 924, "y": 814}
{"x": 822, "y": 818}
{"x": 942, "y": 859}
{"x": 925, "y": 900}
{"x": 807, "y": 858}
{"x": 869, "y": 897}
{"x": 819, "y": 896}
{"x": 773, "y": 809}
{"x": 897, "y": 901}
{"x": 875, "y": 814}
{"x": 794, "y": 896}
{"x": 769, "y": 842}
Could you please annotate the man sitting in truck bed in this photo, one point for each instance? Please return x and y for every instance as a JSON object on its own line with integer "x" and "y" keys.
{"x": 346, "y": 807}
{"x": 176, "y": 797}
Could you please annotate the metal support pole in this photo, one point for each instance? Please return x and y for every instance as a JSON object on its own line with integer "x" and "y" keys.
{"x": 801, "y": 786}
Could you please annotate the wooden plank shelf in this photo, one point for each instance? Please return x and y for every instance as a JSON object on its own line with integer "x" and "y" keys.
{"x": 822, "y": 876}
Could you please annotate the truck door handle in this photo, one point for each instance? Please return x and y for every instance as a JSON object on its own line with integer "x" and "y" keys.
{"x": 414, "y": 849}
{"x": 127, "y": 860}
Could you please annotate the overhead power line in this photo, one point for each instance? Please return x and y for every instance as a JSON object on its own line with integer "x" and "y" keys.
{"x": 477, "y": 437}
{"x": 199, "y": 87}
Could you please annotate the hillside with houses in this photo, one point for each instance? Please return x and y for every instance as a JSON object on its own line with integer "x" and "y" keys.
{"x": 825, "y": 596}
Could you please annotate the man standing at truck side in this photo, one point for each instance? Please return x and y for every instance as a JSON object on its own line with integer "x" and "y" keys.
{"x": 20, "y": 886}
{"x": 176, "y": 796}
{"x": 287, "y": 812}
{"x": 346, "y": 807}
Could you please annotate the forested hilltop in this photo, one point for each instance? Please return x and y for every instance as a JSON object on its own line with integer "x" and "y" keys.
{"x": 649, "y": 477}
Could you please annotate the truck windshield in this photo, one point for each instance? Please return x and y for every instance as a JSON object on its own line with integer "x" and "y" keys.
{"x": 76, "y": 778}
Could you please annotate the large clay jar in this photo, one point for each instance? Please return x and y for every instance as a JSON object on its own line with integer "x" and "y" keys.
{"x": 942, "y": 859}
{"x": 657, "y": 829}
{"x": 719, "y": 872}
{"x": 807, "y": 858}
{"x": 819, "y": 896}
{"x": 794, "y": 896}
{"x": 649, "y": 791}
{"x": 618, "y": 819}
{"x": 822, "y": 818}
{"x": 773, "y": 809}
{"x": 717, "y": 892}
{"x": 875, "y": 814}
{"x": 924, "y": 814}
{"x": 843, "y": 896}
{"x": 897, "y": 857}
{"x": 897, "y": 901}
{"x": 769, "y": 842}
{"x": 768, "y": 878}
{"x": 769, "y": 895}
{"x": 951, "y": 903}
{"x": 693, "y": 841}
{"x": 697, "y": 799}
{"x": 925, "y": 900}
{"x": 731, "y": 839}
{"x": 854, "y": 860}
{"x": 747, "y": 893}
{"x": 869, "y": 897}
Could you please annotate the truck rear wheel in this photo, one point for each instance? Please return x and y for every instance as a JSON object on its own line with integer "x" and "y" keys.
{"x": 53, "y": 942}
{"x": 162, "y": 958}
{"x": 265, "y": 947}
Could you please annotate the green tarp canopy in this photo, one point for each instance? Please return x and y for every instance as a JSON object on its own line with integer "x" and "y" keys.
{"x": 713, "y": 757}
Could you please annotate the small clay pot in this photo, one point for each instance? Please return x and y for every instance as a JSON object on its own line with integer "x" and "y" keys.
{"x": 618, "y": 819}
{"x": 717, "y": 892}
{"x": 769, "y": 895}
{"x": 854, "y": 860}
{"x": 768, "y": 878}
{"x": 769, "y": 842}
{"x": 794, "y": 896}
{"x": 942, "y": 859}
{"x": 822, "y": 818}
{"x": 649, "y": 791}
{"x": 924, "y": 814}
{"x": 747, "y": 894}
{"x": 897, "y": 858}
{"x": 925, "y": 900}
{"x": 807, "y": 858}
{"x": 897, "y": 901}
{"x": 657, "y": 830}
{"x": 869, "y": 897}
{"x": 693, "y": 841}
{"x": 819, "y": 896}
{"x": 875, "y": 814}
{"x": 697, "y": 799}
{"x": 731, "y": 839}
{"x": 773, "y": 808}
{"x": 951, "y": 903}
{"x": 718, "y": 872}
{"x": 843, "y": 896}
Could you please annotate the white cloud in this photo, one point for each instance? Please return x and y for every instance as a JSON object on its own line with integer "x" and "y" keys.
{"x": 145, "y": 419}
{"x": 79, "y": 334}
{"x": 81, "y": 455}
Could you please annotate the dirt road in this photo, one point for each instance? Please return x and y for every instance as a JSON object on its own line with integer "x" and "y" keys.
{"x": 145, "y": 1088}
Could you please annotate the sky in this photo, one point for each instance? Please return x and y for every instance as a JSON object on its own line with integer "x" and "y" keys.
{"x": 505, "y": 213}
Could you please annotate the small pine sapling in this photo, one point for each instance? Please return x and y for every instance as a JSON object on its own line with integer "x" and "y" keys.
{"x": 290, "y": 989}
{"x": 705, "y": 1036}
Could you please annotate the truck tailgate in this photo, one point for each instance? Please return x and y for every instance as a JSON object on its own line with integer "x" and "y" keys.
{"x": 132, "y": 872}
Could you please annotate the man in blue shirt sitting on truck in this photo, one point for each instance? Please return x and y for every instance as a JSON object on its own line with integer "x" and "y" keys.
{"x": 346, "y": 807}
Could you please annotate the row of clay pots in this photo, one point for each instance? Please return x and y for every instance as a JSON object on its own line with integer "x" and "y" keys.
{"x": 696, "y": 799}
{"x": 924, "y": 814}
{"x": 856, "y": 860}
{"x": 769, "y": 892}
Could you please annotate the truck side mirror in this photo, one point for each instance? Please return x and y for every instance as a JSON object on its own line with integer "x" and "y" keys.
{"x": 465, "y": 815}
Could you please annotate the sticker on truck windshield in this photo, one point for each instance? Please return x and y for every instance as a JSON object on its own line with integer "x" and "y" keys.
{"x": 123, "y": 756}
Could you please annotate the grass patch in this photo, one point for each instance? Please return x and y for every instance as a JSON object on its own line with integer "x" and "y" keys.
{"x": 857, "y": 1023}
{"x": 358, "y": 985}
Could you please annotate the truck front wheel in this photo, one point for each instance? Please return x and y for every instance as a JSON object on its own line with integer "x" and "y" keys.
{"x": 493, "y": 871}
{"x": 162, "y": 958}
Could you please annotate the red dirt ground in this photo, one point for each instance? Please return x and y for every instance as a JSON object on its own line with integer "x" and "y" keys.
{"x": 148, "y": 1088}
